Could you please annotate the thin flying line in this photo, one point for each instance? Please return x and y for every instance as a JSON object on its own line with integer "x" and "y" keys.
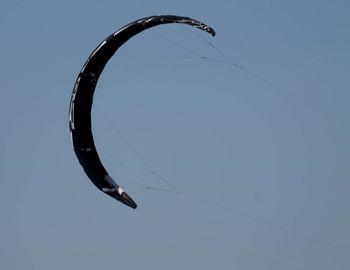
{"x": 147, "y": 165}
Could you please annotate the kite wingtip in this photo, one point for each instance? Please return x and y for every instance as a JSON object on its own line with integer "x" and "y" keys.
{"x": 125, "y": 199}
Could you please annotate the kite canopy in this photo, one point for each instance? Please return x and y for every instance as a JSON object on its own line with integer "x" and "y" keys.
{"x": 82, "y": 99}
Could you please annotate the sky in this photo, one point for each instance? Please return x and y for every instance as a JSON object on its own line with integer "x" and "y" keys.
{"x": 236, "y": 148}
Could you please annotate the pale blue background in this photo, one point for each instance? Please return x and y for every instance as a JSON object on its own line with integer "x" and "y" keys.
{"x": 262, "y": 154}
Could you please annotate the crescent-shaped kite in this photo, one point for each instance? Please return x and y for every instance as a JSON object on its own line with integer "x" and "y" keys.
{"x": 82, "y": 99}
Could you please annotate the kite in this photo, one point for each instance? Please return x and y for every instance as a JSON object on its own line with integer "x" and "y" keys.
{"x": 82, "y": 99}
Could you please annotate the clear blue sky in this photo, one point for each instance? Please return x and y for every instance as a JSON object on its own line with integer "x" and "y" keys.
{"x": 261, "y": 155}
